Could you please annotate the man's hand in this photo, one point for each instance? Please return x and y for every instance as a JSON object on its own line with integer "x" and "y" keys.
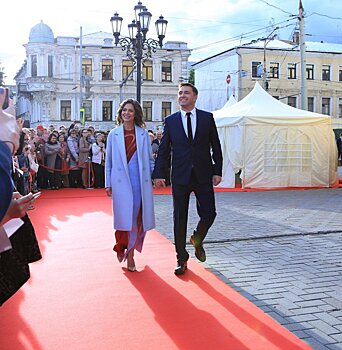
{"x": 109, "y": 191}
{"x": 159, "y": 183}
{"x": 216, "y": 180}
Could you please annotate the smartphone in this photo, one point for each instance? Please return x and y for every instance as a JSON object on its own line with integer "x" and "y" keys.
{"x": 6, "y": 101}
{"x": 36, "y": 195}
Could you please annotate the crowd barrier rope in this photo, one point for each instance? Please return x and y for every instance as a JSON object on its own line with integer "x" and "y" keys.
{"x": 90, "y": 170}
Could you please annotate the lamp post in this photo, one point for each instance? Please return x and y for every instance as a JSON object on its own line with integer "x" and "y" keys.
{"x": 136, "y": 45}
{"x": 266, "y": 41}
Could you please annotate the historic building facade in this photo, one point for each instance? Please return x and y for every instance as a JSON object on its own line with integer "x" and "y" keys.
{"x": 61, "y": 80}
{"x": 235, "y": 71}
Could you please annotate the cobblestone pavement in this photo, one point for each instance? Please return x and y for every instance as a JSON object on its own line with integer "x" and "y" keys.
{"x": 282, "y": 250}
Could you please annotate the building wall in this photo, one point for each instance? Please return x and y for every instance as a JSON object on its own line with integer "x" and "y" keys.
{"x": 211, "y": 81}
{"x": 242, "y": 82}
{"x": 39, "y": 98}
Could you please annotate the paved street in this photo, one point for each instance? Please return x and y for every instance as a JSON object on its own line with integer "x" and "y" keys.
{"x": 283, "y": 251}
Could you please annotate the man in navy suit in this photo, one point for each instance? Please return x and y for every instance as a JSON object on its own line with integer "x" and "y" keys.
{"x": 190, "y": 137}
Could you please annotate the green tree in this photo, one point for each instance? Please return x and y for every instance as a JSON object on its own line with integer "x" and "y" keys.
{"x": 192, "y": 76}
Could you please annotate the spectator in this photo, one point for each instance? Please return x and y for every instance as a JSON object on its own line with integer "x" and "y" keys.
{"x": 98, "y": 160}
{"x": 24, "y": 165}
{"x": 74, "y": 172}
{"x": 84, "y": 146}
{"x": 53, "y": 162}
{"x": 65, "y": 158}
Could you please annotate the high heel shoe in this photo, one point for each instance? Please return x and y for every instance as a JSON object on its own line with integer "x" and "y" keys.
{"x": 120, "y": 256}
{"x": 131, "y": 268}
{"x": 130, "y": 263}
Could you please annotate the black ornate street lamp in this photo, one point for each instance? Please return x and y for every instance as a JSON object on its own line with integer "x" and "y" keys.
{"x": 136, "y": 45}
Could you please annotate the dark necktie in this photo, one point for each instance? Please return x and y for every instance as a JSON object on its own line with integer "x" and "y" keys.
{"x": 190, "y": 137}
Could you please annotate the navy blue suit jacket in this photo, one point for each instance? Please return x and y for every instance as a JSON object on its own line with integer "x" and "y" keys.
{"x": 6, "y": 184}
{"x": 204, "y": 154}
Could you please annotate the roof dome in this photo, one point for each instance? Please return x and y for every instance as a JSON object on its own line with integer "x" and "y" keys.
{"x": 41, "y": 33}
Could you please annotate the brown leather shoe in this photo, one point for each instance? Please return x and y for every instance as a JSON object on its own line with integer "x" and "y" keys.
{"x": 199, "y": 250}
{"x": 181, "y": 268}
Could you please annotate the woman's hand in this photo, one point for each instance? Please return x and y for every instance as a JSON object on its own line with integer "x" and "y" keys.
{"x": 18, "y": 206}
{"x": 109, "y": 191}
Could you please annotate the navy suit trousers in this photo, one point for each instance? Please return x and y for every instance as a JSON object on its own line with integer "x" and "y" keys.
{"x": 205, "y": 204}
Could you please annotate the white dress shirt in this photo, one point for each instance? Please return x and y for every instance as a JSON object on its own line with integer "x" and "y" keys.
{"x": 193, "y": 122}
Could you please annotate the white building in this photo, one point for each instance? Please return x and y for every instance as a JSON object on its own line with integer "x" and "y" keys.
{"x": 49, "y": 89}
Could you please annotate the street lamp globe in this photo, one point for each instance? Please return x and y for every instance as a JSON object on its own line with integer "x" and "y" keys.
{"x": 145, "y": 19}
{"x": 137, "y": 9}
{"x": 137, "y": 46}
{"x": 161, "y": 25}
{"x": 133, "y": 30}
{"x": 116, "y": 22}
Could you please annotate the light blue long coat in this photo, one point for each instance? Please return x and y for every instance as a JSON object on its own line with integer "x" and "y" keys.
{"x": 117, "y": 177}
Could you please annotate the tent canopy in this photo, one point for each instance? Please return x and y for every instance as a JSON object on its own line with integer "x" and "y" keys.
{"x": 260, "y": 104}
{"x": 275, "y": 145}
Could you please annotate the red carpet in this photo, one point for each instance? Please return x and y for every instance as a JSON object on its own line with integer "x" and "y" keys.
{"x": 80, "y": 297}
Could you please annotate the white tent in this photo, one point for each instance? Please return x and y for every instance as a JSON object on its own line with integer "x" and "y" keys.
{"x": 230, "y": 102}
{"x": 275, "y": 145}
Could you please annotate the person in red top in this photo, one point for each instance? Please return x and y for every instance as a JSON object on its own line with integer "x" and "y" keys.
{"x": 128, "y": 168}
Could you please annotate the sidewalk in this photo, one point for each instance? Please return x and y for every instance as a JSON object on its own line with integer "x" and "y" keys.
{"x": 282, "y": 250}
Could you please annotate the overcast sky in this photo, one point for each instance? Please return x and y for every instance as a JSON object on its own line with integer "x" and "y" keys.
{"x": 208, "y": 27}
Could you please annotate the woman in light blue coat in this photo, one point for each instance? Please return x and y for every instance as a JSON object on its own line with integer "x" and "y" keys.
{"x": 128, "y": 168}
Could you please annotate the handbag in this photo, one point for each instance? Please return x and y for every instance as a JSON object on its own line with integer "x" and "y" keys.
{"x": 13, "y": 274}
{"x": 24, "y": 242}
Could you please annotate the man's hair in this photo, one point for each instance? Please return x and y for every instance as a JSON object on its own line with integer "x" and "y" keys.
{"x": 193, "y": 87}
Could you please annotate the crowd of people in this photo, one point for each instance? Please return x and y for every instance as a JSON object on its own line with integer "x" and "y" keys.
{"x": 54, "y": 158}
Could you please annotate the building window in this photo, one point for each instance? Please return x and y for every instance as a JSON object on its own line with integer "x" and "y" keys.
{"x": 50, "y": 66}
{"x": 256, "y": 69}
{"x": 339, "y": 107}
{"x": 340, "y": 73}
{"x": 325, "y": 72}
{"x": 87, "y": 105}
{"x": 311, "y": 106}
{"x": 107, "y": 111}
{"x": 166, "y": 71}
{"x": 87, "y": 67}
{"x": 147, "y": 109}
{"x": 107, "y": 69}
{"x": 166, "y": 109}
{"x": 326, "y": 105}
{"x": 310, "y": 72}
{"x": 274, "y": 70}
{"x": 127, "y": 69}
{"x": 33, "y": 65}
{"x": 147, "y": 70}
{"x": 292, "y": 101}
{"x": 291, "y": 71}
{"x": 66, "y": 110}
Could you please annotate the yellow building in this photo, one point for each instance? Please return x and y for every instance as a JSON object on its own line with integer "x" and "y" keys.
{"x": 276, "y": 66}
